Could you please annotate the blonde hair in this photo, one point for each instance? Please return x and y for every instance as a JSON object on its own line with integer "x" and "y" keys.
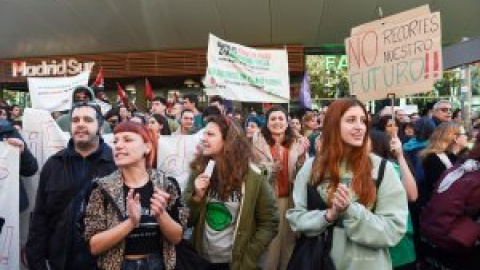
{"x": 442, "y": 139}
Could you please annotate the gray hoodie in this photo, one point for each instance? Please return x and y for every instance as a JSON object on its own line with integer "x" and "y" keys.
{"x": 65, "y": 120}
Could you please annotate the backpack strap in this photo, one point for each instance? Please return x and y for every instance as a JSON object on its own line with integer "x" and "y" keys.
{"x": 381, "y": 172}
{"x": 380, "y": 175}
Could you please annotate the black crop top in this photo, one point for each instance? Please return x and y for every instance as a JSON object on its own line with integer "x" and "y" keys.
{"x": 147, "y": 237}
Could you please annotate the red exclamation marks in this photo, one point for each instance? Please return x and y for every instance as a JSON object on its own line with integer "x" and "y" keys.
{"x": 435, "y": 64}
{"x": 427, "y": 62}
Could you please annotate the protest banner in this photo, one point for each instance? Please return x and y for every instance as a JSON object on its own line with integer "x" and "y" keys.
{"x": 9, "y": 207}
{"x": 400, "y": 55}
{"x": 240, "y": 73}
{"x": 55, "y": 93}
{"x": 44, "y": 138}
{"x": 175, "y": 153}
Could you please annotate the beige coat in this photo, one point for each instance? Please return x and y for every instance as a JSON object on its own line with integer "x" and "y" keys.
{"x": 281, "y": 247}
{"x": 265, "y": 158}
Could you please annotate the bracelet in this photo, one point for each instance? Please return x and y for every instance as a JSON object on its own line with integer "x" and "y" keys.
{"x": 325, "y": 217}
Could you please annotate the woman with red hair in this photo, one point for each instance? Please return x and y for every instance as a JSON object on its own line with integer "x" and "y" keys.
{"x": 134, "y": 217}
{"x": 366, "y": 219}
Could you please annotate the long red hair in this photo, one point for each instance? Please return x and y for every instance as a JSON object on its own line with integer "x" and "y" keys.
{"x": 333, "y": 152}
{"x": 147, "y": 135}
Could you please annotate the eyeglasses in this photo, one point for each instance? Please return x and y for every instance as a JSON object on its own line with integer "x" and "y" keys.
{"x": 445, "y": 109}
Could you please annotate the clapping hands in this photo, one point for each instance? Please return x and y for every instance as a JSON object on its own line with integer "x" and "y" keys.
{"x": 159, "y": 202}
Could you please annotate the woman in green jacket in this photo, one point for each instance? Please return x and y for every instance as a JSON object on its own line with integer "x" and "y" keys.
{"x": 366, "y": 221}
{"x": 233, "y": 210}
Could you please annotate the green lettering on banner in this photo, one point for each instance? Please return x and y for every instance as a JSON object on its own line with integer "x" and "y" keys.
{"x": 243, "y": 78}
{"x": 250, "y": 61}
{"x": 274, "y": 82}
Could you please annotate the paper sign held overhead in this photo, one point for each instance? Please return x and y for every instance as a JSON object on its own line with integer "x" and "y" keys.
{"x": 55, "y": 93}
{"x": 245, "y": 74}
{"x": 400, "y": 55}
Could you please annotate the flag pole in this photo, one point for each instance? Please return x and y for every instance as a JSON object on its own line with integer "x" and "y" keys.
{"x": 391, "y": 96}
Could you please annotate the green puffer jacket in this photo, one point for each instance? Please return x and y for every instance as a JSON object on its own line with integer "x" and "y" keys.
{"x": 257, "y": 223}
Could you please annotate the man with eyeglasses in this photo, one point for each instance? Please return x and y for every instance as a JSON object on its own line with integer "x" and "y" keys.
{"x": 442, "y": 112}
{"x": 54, "y": 241}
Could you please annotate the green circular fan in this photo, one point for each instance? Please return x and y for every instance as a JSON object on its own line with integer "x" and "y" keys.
{"x": 218, "y": 216}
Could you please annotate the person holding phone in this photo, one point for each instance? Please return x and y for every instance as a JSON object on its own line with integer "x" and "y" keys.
{"x": 233, "y": 211}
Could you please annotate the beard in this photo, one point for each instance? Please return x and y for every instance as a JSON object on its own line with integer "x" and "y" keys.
{"x": 86, "y": 143}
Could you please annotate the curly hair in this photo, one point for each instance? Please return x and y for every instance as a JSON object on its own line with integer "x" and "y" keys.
{"x": 333, "y": 151}
{"x": 232, "y": 164}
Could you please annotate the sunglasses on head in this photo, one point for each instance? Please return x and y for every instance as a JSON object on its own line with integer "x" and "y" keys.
{"x": 86, "y": 103}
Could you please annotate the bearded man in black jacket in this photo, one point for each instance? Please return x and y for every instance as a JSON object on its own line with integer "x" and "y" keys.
{"x": 54, "y": 242}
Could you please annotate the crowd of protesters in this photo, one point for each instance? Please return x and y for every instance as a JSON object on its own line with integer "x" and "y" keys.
{"x": 370, "y": 191}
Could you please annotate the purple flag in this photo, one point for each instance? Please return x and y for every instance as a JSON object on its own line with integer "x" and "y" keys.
{"x": 304, "y": 95}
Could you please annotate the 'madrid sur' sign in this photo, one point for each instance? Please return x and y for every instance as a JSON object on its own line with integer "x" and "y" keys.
{"x": 65, "y": 67}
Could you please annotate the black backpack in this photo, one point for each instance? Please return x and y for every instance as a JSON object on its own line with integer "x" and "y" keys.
{"x": 313, "y": 253}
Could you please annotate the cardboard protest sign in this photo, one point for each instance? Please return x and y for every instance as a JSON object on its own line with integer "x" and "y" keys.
{"x": 241, "y": 73}
{"x": 44, "y": 138}
{"x": 398, "y": 55}
{"x": 9, "y": 207}
{"x": 55, "y": 93}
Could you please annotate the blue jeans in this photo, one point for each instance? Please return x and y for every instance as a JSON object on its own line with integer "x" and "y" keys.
{"x": 152, "y": 262}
